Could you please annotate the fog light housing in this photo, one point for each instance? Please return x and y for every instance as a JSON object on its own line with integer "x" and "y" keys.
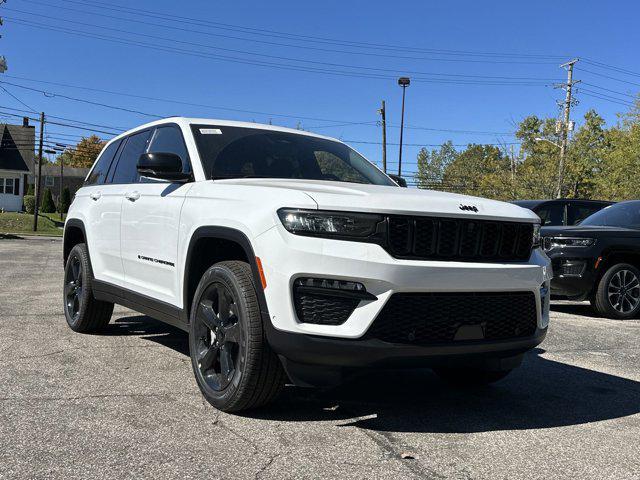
{"x": 571, "y": 268}
{"x": 324, "y": 301}
{"x": 545, "y": 305}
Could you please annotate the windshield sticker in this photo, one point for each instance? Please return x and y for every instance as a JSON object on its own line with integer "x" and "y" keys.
{"x": 210, "y": 131}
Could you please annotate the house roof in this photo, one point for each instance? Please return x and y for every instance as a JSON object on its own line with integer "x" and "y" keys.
{"x": 53, "y": 170}
{"x": 17, "y": 147}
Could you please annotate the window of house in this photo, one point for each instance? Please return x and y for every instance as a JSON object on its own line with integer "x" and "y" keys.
{"x": 8, "y": 186}
{"x": 48, "y": 181}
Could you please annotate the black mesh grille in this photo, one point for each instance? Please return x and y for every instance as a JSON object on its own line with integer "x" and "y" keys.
{"x": 323, "y": 309}
{"x": 436, "y": 318}
{"x": 426, "y": 238}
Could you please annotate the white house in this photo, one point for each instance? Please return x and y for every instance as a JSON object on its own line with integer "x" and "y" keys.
{"x": 16, "y": 162}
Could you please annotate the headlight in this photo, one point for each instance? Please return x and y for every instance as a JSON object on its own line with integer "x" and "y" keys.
{"x": 329, "y": 224}
{"x": 563, "y": 242}
{"x": 536, "y": 235}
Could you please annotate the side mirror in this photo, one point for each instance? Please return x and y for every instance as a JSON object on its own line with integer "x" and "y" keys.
{"x": 164, "y": 166}
{"x": 401, "y": 181}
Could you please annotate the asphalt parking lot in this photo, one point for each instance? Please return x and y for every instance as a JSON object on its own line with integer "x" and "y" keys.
{"x": 124, "y": 404}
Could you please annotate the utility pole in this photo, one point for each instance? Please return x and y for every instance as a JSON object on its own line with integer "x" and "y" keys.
{"x": 38, "y": 181}
{"x": 383, "y": 114}
{"x": 565, "y": 123}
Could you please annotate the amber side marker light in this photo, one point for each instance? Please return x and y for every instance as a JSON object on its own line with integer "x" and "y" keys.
{"x": 263, "y": 279}
{"x": 597, "y": 262}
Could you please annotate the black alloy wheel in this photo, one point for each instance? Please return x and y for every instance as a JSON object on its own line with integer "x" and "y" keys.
{"x": 73, "y": 288}
{"x": 617, "y": 293}
{"x": 623, "y": 291}
{"x": 82, "y": 311}
{"x": 232, "y": 361}
{"x": 220, "y": 345}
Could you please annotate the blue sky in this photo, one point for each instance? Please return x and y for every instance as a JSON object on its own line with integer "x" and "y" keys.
{"x": 442, "y": 40}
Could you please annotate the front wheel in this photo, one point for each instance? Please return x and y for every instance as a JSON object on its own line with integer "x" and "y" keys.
{"x": 618, "y": 293}
{"x": 470, "y": 377}
{"x": 231, "y": 359}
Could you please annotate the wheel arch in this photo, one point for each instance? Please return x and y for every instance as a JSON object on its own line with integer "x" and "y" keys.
{"x": 74, "y": 233}
{"x": 212, "y": 244}
{"x": 613, "y": 256}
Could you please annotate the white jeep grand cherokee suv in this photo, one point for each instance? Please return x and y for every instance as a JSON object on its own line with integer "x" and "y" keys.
{"x": 286, "y": 254}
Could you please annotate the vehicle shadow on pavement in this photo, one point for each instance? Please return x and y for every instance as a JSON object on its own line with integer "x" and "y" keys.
{"x": 582, "y": 309}
{"x": 542, "y": 393}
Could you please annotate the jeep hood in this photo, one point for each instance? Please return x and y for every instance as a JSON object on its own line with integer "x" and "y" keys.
{"x": 394, "y": 200}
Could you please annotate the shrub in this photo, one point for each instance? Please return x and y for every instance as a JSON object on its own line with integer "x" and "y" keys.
{"x": 31, "y": 190}
{"x": 29, "y": 203}
{"x": 47, "y": 205}
{"x": 63, "y": 204}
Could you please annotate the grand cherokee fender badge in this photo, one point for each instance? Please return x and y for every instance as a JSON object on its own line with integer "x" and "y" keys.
{"x": 468, "y": 208}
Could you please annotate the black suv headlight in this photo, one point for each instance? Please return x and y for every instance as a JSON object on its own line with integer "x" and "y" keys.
{"x": 562, "y": 242}
{"x": 329, "y": 224}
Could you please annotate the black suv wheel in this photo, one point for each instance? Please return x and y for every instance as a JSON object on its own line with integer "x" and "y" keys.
{"x": 232, "y": 362}
{"x": 83, "y": 312}
{"x": 618, "y": 293}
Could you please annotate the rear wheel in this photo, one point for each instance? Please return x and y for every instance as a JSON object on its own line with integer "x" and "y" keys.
{"x": 470, "y": 377}
{"x": 618, "y": 292}
{"x": 83, "y": 312}
{"x": 232, "y": 362}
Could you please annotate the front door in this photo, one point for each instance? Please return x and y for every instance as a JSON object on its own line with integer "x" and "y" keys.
{"x": 150, "y": 225}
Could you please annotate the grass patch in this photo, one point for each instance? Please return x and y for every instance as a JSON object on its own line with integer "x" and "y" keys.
{"x": 22, "y": 223}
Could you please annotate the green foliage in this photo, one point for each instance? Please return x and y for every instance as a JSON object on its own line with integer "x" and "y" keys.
{"x": 601, "y": 162}
{"x": 31, "y": 190}
{"x": 29, "y": 203}
{"x": 63, "y": 205}
{"x": 47, "y": 205}
{"x": 83, "y": 154}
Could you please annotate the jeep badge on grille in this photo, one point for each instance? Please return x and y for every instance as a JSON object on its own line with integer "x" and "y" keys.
{"x": 468, "y": 208}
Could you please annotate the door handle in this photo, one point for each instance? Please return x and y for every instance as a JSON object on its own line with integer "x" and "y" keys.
{"x": 95, "y": 196}
{"x": 132, "y": 196}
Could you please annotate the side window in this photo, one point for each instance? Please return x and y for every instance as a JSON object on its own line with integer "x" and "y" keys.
{"x": 99, "y": 173}
{"x": 169, "y": 140}
{"x": 125, "y": 171}
{"x": 551, "y": 214}
{"x": 576, "y": 212}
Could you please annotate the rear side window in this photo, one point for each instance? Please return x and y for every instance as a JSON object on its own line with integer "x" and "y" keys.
{"x": 551, "y": 214}
{"x": 576, "y": 212}
{"x": 169, "y": 139}
{"x": 99, "y": 173}
{"x": 125, "y": 171}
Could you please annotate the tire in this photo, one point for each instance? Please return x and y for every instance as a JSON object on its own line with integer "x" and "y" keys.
{"x": 617, "y": 295}
{"x": 233, "y": 364}
{"x": 470, "y": 377}
{"x": 82, "y": 311}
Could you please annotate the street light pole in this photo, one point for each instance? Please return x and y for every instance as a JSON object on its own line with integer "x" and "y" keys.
{"x": 404, "y": 82}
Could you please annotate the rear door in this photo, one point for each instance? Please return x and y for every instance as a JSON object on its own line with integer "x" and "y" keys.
{"x": 103, "y": 208}
{"x": 150, "y": 224}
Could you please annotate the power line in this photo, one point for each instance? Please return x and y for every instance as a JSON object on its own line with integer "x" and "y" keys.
{"x": 609, "y": 90}
{"x": 608, "y": 99}
{"x": 489, "y": 81}
{"x": 287, "y": 45}
{"x": 611, "y": 67}
{"x": 17, "y": 99}
{"x": 306, "y": 38}
{"x": 609, "y": 77}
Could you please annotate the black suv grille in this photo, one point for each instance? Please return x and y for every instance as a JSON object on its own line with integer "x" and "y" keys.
{"x": 431, "y": 238}
{"x": 436, "y": 318}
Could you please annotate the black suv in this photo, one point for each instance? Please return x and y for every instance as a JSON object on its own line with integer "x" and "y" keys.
{"x": 599, "y": 260}
{"x": 563, "y": 211}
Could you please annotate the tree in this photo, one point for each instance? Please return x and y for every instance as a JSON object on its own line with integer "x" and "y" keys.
{"x": 31, "y": 190}
{"x": 432, "y": 164}
{"x": 83, "y": 154}
{"x": 47, "y": 202}
{"x": 482, "y": 170}
{"x": 65, "y": 201}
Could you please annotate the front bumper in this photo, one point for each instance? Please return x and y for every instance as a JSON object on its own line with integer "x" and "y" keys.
{"x": 286, "y": 257}
{"x": 574, "y": 274}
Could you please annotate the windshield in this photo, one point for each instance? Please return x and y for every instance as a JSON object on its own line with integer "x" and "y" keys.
{"x": 624, "y": 214}
{"x": 238, "y": 152}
